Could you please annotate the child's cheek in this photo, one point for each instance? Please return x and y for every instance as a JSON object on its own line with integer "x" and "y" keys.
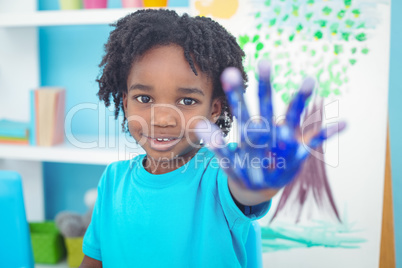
{"x": 138, "y": 127}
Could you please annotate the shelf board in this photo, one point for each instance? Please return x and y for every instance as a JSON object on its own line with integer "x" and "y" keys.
{"x": 68, "y": 17}
{"x": 67, "y": 153}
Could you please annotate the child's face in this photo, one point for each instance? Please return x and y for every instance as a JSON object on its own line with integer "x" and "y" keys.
{"x": 164, "y": 99}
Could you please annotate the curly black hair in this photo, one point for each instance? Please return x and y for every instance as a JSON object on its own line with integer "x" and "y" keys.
{"x": 205, "y": 43}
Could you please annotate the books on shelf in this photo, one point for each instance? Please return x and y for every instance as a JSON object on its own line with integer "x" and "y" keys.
{"x": 47, "y": 116}
{"x": 14, "y": 132}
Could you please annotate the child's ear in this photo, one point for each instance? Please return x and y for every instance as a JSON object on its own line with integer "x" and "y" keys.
{"x": 216, "y": 109}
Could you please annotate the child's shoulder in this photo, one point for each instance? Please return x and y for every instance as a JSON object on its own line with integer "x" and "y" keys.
{"x": 117, "y": 171}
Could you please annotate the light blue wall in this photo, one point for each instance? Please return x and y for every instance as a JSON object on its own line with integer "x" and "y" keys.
{"x": 65, "y": 186}
{"x": 69, "y": 57}
{"x": 395, "y": 118}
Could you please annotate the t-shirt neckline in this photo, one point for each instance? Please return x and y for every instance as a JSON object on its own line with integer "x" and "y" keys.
{"x": 187, "y": 170}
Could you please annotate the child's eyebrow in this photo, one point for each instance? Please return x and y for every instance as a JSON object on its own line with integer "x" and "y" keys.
{"x": 140, "y": 87}
{"x": 186, "y": 90}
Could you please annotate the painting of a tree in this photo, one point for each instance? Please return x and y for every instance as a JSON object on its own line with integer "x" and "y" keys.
{"x": 342, "y": 44}
{"x": 327, "y": 37}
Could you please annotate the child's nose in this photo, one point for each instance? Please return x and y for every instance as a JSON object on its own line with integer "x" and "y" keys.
{"x": 164, "y": 116}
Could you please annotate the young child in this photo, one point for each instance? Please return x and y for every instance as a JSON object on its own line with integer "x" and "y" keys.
{"x": 175, "y": 206}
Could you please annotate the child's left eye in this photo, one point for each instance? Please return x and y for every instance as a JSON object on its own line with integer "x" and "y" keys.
{"x": 187, "y": 101}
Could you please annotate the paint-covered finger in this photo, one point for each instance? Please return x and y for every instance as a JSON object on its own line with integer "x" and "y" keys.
{"x": 265, "y": 91}
{"x": 297, "y": 105}
{"x": 212, "y": 137}
{"x": 326, "y": 133}
{"x": 305, "y": 150}
{"x": 232, "y": 83}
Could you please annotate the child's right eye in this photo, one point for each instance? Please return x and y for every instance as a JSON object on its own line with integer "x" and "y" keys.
{"x": 143, "y": 98}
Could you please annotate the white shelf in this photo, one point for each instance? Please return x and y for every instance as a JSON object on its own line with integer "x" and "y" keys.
{"x": 68, "y": 17}
{"x": 67, "y": 153}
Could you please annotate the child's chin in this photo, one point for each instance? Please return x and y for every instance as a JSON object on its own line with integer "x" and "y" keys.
{"x": 162, "y": 156}
{"x": 172, "y": 154}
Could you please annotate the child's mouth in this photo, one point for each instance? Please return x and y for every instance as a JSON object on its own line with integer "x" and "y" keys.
{"x": 162, "y": 143}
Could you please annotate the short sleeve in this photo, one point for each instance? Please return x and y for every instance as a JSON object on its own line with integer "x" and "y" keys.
{"x": 232, "y": 212}
{"x": 91, "y": 242}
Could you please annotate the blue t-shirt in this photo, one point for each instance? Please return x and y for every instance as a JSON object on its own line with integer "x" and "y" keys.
{"x": 184, "y": 218}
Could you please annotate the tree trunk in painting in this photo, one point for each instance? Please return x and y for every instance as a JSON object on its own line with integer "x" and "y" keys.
{"x": 310, "y": 186}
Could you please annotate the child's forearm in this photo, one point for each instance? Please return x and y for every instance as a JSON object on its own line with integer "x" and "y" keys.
{"x": 249, "y": 197}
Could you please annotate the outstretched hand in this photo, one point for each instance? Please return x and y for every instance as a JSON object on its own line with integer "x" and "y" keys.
{"x": 268, "y": 155}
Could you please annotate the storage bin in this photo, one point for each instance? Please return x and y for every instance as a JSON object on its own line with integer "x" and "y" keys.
{"x": 47, "y": 242}
{"x": 74, "y": 251}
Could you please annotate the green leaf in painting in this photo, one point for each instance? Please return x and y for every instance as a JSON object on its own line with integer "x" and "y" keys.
{"x": 255, "y": 38}
{"x": 278, "y": 87}
{"x": 299, "y": 27}
{"x": 285, "y": 97}
{"x": 349, "y": 23}
{"x": 361, "y": 26}
{"x": 338, "y": 49}
{"x": 327, "y": 10}
{"x": 322, "y": 23}
{"x": 341, "y": 14}
{"x": 345, "y": 36}
{"x": 295, "y": 11}
{"x": 356, "y": 12}
{"x": 318, "y": 35}
{"x": 291, "y": 37}
{"x": 243, "y": 40}
{"x": 277, "y": 10}
{"x": 309, "y": 15}
{"x": 361, "y": 37}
